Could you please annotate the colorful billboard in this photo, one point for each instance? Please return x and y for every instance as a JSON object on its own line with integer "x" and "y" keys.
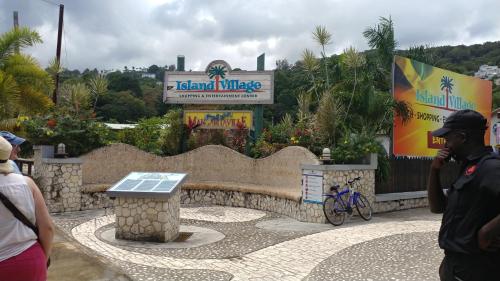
{"x": 218, "y": 119}
{"x": 433, "y": 93}
{"x": 218, "y": 84}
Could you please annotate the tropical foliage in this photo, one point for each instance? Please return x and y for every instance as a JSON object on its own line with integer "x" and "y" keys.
{"x": 79, "y": 136}
{"x": 25, "y": 88}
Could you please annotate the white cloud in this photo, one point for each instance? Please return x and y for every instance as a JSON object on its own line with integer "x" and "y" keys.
{"x": 115, "y": 33}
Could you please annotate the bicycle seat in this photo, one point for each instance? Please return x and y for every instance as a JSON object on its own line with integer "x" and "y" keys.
{"x": 335, "y": 187}
{"x": 353, "y": 180}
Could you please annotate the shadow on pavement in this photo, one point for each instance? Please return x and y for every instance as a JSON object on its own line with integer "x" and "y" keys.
{"x": 69, "y": 263}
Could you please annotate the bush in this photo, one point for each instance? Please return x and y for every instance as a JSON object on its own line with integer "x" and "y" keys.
{"x": 79, "y": 136}
{"x": 158, "y": 135}
{"x": 171, "y": 137}
{"x": 146, "y": 135}
{"x": 354, "y": 147}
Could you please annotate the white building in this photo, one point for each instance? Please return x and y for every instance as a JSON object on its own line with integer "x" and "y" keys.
{"x": 487, "y": 72}
{"x": 148, "y": 75}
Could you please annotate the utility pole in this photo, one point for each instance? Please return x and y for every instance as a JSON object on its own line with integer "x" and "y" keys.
{"x": 16, "y": 20}
{"x": 16, "y": 26}
{"x": 259, "y": 108}
{"x": 58, "y": 51}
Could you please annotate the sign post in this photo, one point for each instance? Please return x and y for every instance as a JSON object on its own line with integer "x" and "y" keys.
{"x": 259, "y": 109}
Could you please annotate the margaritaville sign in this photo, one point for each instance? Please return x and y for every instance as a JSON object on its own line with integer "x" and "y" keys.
{"x": 218, "y": 84}
{"x": 218, "y": 119}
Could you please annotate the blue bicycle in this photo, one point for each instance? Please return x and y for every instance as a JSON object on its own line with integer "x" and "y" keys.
{"x": 339, "y": 203}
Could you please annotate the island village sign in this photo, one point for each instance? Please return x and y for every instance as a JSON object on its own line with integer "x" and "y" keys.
{"x": 218, "y": 84}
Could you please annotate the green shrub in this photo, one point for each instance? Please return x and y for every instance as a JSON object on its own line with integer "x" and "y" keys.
{"x": 79, "y": 136}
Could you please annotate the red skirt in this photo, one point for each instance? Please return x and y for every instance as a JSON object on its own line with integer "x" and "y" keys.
{"x": 29, "y": 265}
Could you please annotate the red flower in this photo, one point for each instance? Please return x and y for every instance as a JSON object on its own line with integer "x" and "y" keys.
{"x": 51, "y": 123}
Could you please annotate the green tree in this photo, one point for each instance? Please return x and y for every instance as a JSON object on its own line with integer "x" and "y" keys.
{"x": 381, "y": 38}
{"x": 328, "y": 116}
{"x": 121, "y": 106}
{"x": 98, "y": 86}
{"x": 353, "y": 60}
{"x": 118, "y": 81}
{"x": 323, "y": 38}
{"x": 74, "y": 98}
{"x": 25, "y": 88}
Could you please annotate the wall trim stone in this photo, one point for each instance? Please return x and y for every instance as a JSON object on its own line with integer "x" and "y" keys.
{"x": 400, "y": 196}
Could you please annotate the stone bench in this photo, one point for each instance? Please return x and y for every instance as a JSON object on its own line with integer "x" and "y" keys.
{"x": 285, "y": 201}
{"x": 274, "y": 191}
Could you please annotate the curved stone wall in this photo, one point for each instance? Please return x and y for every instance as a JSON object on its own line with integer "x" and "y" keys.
{"x": 213, "y": 163}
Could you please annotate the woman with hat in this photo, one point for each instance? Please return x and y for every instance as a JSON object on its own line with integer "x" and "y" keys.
{"x": 23, "y": 254}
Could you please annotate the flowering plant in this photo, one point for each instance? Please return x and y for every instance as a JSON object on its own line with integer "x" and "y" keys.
{"x": 79, "y": 136}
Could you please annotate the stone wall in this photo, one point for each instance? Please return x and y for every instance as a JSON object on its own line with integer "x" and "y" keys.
{"x": 340, "y": 174}
{"x": 211, "y": 163}
{"x": 147, "y": 219}
{"x": 95, "y": 200}
{"x": 60, "y": 181}
{"x": 400, "y": 201}
{"x": 401, "y": 204}
{"x": 287, "y": 207}
{"x": 80, "y": 183}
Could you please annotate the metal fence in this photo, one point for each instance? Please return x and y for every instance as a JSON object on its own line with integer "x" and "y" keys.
{"x": 25, "y": 165}
{"x": 410, "y": 174}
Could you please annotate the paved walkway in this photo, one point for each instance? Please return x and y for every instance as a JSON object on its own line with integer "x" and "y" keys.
{"x": 395, "y": 246}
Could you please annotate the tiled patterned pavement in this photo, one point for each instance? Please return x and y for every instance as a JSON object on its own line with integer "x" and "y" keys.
{"x": 397, "y": 246}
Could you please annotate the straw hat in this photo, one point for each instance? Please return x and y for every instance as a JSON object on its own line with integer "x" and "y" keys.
{"x": 5, "y": 150}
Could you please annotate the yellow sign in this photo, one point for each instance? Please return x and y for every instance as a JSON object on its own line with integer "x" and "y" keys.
{"x": 215, "y": 119}
{"x": 433, "y": 93}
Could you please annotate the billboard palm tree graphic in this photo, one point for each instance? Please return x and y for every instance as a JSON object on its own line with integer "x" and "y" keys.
{"x": 447, "y": 86}
{"x": 217, "y": 71}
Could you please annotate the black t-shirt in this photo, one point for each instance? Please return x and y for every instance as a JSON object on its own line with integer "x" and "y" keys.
{"x": 473, "y": 200}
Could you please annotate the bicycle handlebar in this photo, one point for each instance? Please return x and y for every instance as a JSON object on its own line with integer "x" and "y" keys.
{"x": 350, "y": 182}
{"x": 353, "y": 180}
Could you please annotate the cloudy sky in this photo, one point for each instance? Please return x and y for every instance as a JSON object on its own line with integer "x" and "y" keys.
{"x": 111, "y": 34}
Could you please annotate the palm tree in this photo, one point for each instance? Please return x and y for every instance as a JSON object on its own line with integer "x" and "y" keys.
{"x": 447, "y": 86}
{"x": 98, "y": 86}
{"x": 353, "y": 60}
{"x": 25, "y": 87}
{"x": 75, "y": 97}
{"x": 327, "y": 117}
{"x": 218, "y": 71}
{"x": 311, "y": 66}
{"x": 323, "y": 37}
{"x": 381, "y": 38}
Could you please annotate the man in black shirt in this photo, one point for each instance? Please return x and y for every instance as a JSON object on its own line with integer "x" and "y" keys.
{"x": 470, "y": 230}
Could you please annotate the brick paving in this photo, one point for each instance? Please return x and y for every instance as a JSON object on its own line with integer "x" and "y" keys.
{"x": 395, "y": 246}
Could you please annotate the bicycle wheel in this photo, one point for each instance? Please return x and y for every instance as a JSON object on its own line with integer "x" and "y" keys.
{"x": 334, "y": 210}
{"x": 363, "y": 207}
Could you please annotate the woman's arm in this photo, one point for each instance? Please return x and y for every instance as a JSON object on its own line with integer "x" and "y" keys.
{"x": 43, "y": 220}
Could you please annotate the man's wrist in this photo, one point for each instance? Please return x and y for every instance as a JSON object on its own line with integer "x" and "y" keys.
{"x": 436, "y": 168}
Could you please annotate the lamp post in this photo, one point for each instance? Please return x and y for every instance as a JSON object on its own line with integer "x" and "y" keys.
{"x": 61, "y": 151}
{"x": 326, "y": 156}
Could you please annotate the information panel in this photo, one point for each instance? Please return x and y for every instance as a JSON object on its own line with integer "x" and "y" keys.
{"x": 147, "y": 185}
{"x": 312, "y": 186}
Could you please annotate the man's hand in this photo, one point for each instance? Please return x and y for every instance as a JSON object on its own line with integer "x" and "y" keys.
{"x": 440, "y": 158}
{"x": 488, "y": 244}
{"x": 487, "y": 237}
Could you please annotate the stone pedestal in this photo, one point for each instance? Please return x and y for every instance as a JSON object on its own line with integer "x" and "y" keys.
{"x": 60, "y": 181}
{"x": 148, "y": 219}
